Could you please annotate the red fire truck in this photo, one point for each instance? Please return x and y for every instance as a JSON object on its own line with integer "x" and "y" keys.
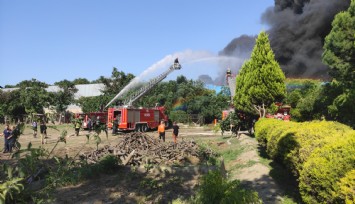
{"x": 138, "y": 119}
{"x": 127, "y": 117}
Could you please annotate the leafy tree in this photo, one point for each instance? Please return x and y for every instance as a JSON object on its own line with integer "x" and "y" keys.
{"x": 81, "y": 81}
{"x": 194, "y": 97}
{"x": 260, "y": 81}
{"x": 92, "y": 104}
{"x": 10, "y": 105}
{"x": 339, "y": 55}
{"x": 34, "y": 96}
{"x": 116, "y": 83}
{"x": 64, "y": 96}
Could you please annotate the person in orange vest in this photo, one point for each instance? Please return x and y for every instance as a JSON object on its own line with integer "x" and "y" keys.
{"x": 161, "y": 130}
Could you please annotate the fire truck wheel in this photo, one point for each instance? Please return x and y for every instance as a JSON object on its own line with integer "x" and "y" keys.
{"x": 138, "y": 128}
{"x": 144, "y": 128}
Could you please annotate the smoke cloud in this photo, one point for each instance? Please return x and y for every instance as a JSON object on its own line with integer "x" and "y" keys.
{"x": 239, "y": 47}
{"x": 207, "y": 79}
{"x": 298, "y": 29}
{"x": 297, "y": 32}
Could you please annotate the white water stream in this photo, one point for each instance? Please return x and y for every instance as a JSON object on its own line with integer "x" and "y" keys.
{"x": 192, "y": 62}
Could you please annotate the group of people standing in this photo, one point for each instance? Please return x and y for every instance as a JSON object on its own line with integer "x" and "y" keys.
{"x": 9, "y": 138}
{"x": 161, "y": 131}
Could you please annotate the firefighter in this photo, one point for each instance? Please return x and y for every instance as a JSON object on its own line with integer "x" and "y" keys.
{"x": 175, "y": 132}
{"x": 77, "y": 126}
{"x": 114, "y": 126}
{"x": 161, "y": 130}
{"x": 34, "y": 128}
{"x": 43, "y": 129}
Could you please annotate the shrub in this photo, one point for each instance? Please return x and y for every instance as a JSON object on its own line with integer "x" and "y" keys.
{"x": 320, "y": 176}
{"x": 215, "y": 188}
{"x": 263, "y": 126}
{"x": 292, "y": 143}
{"x": 281, "y": 140}
{"x": 311, "y": 136}
{"x": 319, "y": 152}
{"x": 179, "y": 116}
{"x": 347, "y": 187}
{"x": 109, "y": 164}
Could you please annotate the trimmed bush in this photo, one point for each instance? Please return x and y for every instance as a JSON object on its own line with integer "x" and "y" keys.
{"x": 263, "y": 126}
{"x": 321, "y": 174}
{"x": 321, "y": 150}
{"x": 292, "y": 143}
{"x": 310, "y": 136}
{"x": 347, "y": 187}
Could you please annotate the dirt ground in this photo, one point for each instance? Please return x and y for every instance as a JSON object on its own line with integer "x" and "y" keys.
{"x": 138, "y": 186}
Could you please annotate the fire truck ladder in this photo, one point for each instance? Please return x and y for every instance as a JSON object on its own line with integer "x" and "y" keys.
{"x": 135, "y": 96}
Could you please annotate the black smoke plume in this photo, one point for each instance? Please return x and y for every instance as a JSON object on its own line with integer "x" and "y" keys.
{"x": 239, "y": 47}
{"x": 206, "y": 79}
{"x": 298, "y": 29}
{"x": 297, "y": 32}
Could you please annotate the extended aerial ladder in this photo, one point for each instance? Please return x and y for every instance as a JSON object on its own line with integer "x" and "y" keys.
{"x": 139, "y": 93}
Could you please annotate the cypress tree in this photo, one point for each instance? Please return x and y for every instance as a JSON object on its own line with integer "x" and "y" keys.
{"x": 261, "y": 81}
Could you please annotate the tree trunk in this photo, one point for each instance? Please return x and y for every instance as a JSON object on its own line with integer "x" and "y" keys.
{"x": 258, "y": 108}
{"x": 261, "y": 110}
{"x": 264, "y": 111}
{"x": 60, "y": 119}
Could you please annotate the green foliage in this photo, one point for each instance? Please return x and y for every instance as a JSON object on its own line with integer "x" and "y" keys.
{"x": 186, "y": 96}
{"x": 33, "y": 96}
{"x": 306, "y": 105}
{"x": 261, "y": 81}
{"x": 339, "y": 52}
{"x": 81, "y": 81}
{"x": 347, "y": 187}
{"x": 339, "y": 55}
{"x": 63, "y": 97}
{"x": 179, "y": 116}
{"x": 231, "y": 121}
{"x": 94, "y": 103}
{"x": 319, "y": 152}
{"x": 214, "y": 188}
{"x": 262, "y": 128}
{"x": 116, "y": 82}
{"x": 319, "y": 179}
{"x": 66, "y": 172}
{"x": 11, "y": 104}
{"x": 109, "y": 164}
{"x": 9, "y": 189}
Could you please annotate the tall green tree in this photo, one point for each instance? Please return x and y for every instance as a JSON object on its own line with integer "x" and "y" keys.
{"x": 116, "y": 82}
{"x": 64, "y": 96}
{"x": 92, "y": 104}
{"x": 33, "y": 96}
{"x": 10, "y": 105}
{"x": 113, "y": 85}
{"x": 339, "y": 55}
{"x": 261, "y": 81}
{"x": 81, "y": 81}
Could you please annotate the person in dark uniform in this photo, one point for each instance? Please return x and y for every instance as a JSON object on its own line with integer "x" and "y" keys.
{"x": 175, "y": 132}
{"x": 43, "y": 129}
{"x": 114, "y": 126}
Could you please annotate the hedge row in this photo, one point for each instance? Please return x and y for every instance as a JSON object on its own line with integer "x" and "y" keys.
{"x": 320, "y": 153}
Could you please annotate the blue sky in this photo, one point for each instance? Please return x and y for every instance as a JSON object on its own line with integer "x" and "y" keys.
{"x": 55, "y": 40}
